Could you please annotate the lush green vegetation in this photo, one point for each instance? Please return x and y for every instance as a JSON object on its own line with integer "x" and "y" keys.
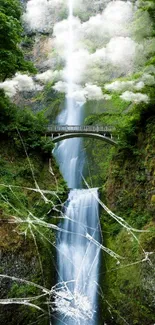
{"x": 24, "y": 125}
{"x": 11, "y": 56}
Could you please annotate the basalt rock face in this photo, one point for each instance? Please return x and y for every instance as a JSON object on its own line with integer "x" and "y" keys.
{"x": 18, "y": 259}
{"x": 37, "y": 49}
{"x": 128, "y": 282}
{"x": 126, "y": 178}
{"x": 27, "y": 254}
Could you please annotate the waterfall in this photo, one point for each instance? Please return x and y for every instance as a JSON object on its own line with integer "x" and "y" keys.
{"x": 67, "y": 153}
{"x": 78, "y": 256}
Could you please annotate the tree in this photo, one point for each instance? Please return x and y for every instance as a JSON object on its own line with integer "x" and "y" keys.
{"x": 11, "y": 8}
{"x": 11, "y": 55}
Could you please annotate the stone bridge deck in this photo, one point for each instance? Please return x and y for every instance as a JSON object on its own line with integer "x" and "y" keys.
{"x": 63, "y": 132}
{"x": 62, "y": 129}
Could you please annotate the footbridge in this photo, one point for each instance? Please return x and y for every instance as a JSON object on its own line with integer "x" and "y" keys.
{"x": 63, "y": 132}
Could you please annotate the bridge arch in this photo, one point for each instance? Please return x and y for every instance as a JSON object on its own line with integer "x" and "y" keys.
{"x": 65, "y": 136}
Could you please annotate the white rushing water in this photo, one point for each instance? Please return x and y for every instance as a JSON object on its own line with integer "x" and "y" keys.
{"x": 68, "y": 152}
{"x": 78, "y": 256}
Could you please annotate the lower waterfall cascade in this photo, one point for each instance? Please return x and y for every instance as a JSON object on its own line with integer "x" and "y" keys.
{"x": 78, "y": 258}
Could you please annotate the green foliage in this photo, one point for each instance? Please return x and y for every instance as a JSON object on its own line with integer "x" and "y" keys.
{"x": 27, "y": 41}
{"x": 22, "y": 291}
{"x": 53, "y": 101}
{"x": 148, "y": 6}
{"x": 123, "y": 286}
{"x": 14, "y": 121}
{"x": 11, "y": 56}
{"x": 11, "y": 8}
{"x": 8, "y": 114}
{"x": 129, "y": 193}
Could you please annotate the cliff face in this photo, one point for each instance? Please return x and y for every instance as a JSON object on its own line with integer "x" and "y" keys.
{"x": 128, "y": 283}
{"x": 30, "y": 188}
{"x": 125, "y": 175}
{"x": 131, "y": 179}
{"x": 38, "y": 48}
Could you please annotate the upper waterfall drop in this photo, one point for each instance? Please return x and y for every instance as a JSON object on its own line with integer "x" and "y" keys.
{"x": 68, "y": 152}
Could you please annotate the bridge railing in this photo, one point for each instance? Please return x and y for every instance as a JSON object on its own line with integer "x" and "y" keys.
{"x": 79, "y": 128}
